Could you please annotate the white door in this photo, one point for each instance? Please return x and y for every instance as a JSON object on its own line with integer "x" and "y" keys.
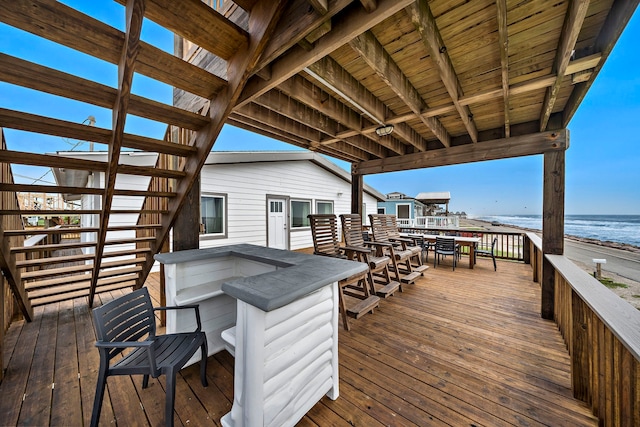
{"x": 277, "y": 223}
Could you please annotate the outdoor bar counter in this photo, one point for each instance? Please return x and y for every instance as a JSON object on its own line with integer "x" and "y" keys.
{"x": 276, "y": 311}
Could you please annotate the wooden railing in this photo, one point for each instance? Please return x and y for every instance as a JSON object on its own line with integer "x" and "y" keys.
{"x": 510, "y": 245}
{"x": 602, "y": 334}
{"x": 533, "y": 254}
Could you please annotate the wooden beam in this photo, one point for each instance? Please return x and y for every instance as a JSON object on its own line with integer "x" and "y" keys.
{"x": 425, "y": 23}
{"x": 503, "y": 37}
{"x": 369, "y": 5}
{"x": 197, "y": 22}
{"x": 373, "y": 53}
{"x": 48, "y": 126}
{"x": 12, "y": 275}
{"x": 50, "y": 161}
{"x": 321, "y": 6}
{"x": 34, "y": 76}
{"x": 618, "y": 18}
{"x": 29, "y": 188}
{"x": 64, "y": 25}
{"x": 301, "y": 21}
{"x": 570, "y": 31}
{"x": 328, "y": 72}
{"x": 262, "y": 23}
{"x": 505, "y": 148}
{"x": 357, "y": 186}
{"x": 296, "y": 59}
{"x": 552, "y": 225}
{"x": 134, "y": 17}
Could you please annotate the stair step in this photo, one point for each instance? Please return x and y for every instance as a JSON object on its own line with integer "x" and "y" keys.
{"x": 56, "y": 271}
{"x": 79, "y": 293}
{"x": 364, "y": 306}
{"x": 30, "y": 286}
{"x": 55, "y": 260}
{"x": 78, "y": 286}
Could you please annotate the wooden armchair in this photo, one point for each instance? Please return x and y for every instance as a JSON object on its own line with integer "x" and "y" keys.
{"x": 406, "y": 242}
{"x": 127, "y": 326}
{"x": 400, "y": 256}
{"x": 378, "y": 265}
{"x": 324, "y": 229}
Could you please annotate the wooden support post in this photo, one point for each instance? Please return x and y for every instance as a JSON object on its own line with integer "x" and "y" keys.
{"x": 552, "y": 224}
{"x": 3, "y": 315}
{"x": 357, "y": 183}
{"x": 186, "y": 229}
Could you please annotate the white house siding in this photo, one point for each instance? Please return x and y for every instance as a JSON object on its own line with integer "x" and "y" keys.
{"x": 247, "y": 185}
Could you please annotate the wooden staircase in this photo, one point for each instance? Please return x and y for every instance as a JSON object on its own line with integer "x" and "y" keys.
{"x": 114, "y": 244}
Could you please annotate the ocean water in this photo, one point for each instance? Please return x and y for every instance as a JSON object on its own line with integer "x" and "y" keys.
{"x": 613, "y": 228}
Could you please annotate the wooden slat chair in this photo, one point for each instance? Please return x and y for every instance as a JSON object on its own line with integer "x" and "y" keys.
{"x": 400, "y": 258}
{"x": 127, "y": 326}
{"x": 324, "y": 230}
{"x": 486, "y": 251}
{"x": 407, "y": 243}
{"x": 378, "y": 265}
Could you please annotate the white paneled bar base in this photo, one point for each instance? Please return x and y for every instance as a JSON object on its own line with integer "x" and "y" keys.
{"x": 277, "y": 312}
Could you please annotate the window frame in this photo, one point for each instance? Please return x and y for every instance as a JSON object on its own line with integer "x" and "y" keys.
{"x": 329, "y": 202}
{"x": 225, "y": 216}
{"x": 305, "y": 220}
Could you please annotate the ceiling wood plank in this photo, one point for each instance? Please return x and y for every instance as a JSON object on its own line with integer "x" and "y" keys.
{"x": 373, "y": 53}
{"x": 488, "y": 150}
{"x": 296, "y": 58}
{"x": 503, "y": 46}
{"x": 425, "y": 23}
{"x": 69, "y": 27}
{"x": 262, "y": 24}
{"x": 27, "y": 74}
{"x": 328, "y": 72}
{"x": 616, "y": 21}
{"x": 134, "y": 17}
{"x": 39, "y": 124}
{"x": 574, "y": 19}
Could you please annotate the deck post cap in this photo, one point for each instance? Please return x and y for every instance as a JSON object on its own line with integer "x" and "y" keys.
{"x": 599, "y": 260}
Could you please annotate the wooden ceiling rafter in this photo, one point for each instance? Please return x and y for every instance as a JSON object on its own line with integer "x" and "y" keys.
{"x": 503, "y": 46}
{"x": 374, "y": 54}
{"x": 574, "y": 19}
{"x": 295, "y": 59}
{"x": 425, "y": 23}
{"x": 338, "y": 79}
{"x": 64, "y": 25}
{"x": 134, "y": 16}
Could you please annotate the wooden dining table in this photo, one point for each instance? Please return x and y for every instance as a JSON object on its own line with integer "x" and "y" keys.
{"x": 470, "y": 242}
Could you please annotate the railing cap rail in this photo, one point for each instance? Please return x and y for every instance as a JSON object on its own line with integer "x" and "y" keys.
{"x": 622, "y": 319}
{"x": 537, "y": 240}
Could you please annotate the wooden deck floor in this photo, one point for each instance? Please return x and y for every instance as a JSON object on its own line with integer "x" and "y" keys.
{"x": 463, "y": 348}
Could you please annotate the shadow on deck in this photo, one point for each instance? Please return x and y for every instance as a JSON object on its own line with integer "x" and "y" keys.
{"x": 463, "y": 347}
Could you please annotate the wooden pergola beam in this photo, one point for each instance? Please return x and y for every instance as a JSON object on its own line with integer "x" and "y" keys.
{"x": 503, "y": 39}
{"x": 571, "y": 29}
{"x": 126, "y": 67}
{"x": 64, "y": 25}
{"x": 373, "y": 53}
{"x": 504, "y": 148}
{"x": 425, "y": 23}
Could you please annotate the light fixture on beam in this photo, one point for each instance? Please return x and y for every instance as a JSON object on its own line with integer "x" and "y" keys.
{"x": 384, "y": 130}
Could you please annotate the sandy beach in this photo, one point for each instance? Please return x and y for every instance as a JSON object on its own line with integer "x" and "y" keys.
{"x": 622, "y": 266}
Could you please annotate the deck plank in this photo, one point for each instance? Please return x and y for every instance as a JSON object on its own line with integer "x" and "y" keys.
{"x": 463, "y": 347}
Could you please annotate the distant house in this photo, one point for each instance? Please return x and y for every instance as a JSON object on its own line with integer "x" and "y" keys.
{"x": 261, "y": 198}
{"x": 423, "y": 210}
{"x": 402, "y": 206}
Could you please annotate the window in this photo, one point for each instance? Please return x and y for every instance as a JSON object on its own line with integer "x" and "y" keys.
{"x": 324, "y": 207}
{"x": 213, "y": 214}
{"x": 299, "y": 211}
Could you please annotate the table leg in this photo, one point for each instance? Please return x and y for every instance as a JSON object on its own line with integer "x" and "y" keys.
{"x": 471, "y": 255}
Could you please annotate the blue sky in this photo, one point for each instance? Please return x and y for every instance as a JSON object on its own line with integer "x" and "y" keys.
{"x": 603, "y": 161}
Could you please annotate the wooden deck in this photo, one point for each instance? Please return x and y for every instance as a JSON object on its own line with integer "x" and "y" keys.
{"x": 464, "y": 347}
